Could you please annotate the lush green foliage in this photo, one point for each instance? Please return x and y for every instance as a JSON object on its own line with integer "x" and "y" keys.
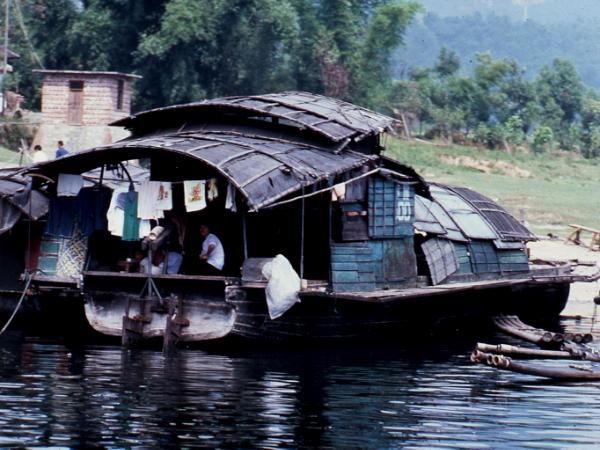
{"x": 190, "y": 49}
{"x": 498, "y": 108}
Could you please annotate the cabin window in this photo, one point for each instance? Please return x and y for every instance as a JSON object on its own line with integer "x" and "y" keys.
{"x": 352, "y": 222}
{"x": 350, "y": 215}
{"x": 120, "y": 88}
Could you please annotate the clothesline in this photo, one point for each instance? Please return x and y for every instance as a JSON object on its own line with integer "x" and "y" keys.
{"x": 330, "y": 188}
{"x": 124, "y": 180}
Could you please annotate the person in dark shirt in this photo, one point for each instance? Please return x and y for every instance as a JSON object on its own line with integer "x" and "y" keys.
{"x": 61, "y": 150}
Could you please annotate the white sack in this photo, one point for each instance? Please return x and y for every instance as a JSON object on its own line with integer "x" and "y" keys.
{"x": 283, "y": 286}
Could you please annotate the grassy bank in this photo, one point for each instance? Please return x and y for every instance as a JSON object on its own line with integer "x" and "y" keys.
{"x": 551, "y": 190}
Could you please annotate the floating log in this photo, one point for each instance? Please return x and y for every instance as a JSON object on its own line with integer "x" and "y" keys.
{"x": 514, "y": 326}
{"x": 572, "y": 372}
{"x": 505, "y": 349}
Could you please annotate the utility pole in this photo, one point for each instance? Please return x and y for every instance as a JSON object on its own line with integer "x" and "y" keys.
{"x": 4, "y": 69}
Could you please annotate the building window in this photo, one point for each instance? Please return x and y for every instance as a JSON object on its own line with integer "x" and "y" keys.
{"x": 120, "y": 87}
{"x": 75, "y": 85}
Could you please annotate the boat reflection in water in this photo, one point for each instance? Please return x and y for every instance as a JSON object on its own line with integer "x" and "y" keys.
{"x": 366, "y": 396}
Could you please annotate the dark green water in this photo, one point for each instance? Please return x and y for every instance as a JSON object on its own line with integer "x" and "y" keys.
{"x": 374, "y": 395}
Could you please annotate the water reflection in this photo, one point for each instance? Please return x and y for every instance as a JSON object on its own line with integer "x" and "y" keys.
{"x": 368, "y": 396}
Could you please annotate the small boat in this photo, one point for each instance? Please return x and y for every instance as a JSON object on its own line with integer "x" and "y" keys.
{"x": 324, "y": 236}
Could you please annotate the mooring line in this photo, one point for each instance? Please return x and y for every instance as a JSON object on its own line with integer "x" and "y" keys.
{"x": 14, "y": 313}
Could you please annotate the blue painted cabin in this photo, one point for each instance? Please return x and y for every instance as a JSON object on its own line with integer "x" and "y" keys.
{"x": 387, "y": 236}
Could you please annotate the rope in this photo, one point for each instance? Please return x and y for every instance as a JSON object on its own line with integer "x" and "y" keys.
{"x": 14, "y": 313}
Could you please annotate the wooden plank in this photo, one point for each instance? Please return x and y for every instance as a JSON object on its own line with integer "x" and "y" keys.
{"x": 384, "y": 296}
{"x": 136, "y": 275}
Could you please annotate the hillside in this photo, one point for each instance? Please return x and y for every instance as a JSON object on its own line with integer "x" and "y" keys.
{"x": 551, "y": 192}
{"x": 542, "y": 11}
{"x": 532, "y": 44}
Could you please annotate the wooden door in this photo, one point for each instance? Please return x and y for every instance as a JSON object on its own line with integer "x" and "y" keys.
{"x": 75, "y": 105}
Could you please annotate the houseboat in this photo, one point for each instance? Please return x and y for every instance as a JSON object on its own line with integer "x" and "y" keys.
{"x": 321, "y": 235}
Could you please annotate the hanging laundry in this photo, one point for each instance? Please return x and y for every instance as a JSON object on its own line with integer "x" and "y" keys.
{"x": 115, "y": 214}
{"x": 356, "y": 191}
{"x": 154, "y": 198}
{"x": 147, "y": 195}
{"x": 145, "y": 228}
{"x": 68, "y": 185}
{"x": 61, "y": 216}
{"x": 213, "y": 191}
{"x": 338, "y": 192}
{"x": 131, "y": 223}
{"x": 194, "y": 195}
{"x": 92, "y": 205}
{"x": 230, "y": 199}
{"x": 164, "y": 199}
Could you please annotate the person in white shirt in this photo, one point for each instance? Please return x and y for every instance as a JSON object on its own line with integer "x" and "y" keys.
{"x": 212, "y": 256}
{"x": 39, "y": 155}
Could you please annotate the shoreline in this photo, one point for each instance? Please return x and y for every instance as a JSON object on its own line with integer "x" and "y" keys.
{"x": 581, "y": 298}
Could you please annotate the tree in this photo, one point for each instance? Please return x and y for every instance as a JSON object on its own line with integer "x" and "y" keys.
{"x": 543, "y": 138}
{"x": 448, "y": 63}
{"x": 383, "y": 33}
{"x": 560, "y": 93}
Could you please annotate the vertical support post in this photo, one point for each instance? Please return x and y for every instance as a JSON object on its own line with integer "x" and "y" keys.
{"x": 244, "y": 235}
{"x": 302, "y": 238}
{"x": 101, "y": 177}
{"x": 330, "y": 235}
{"x": 6, "y": 25}
{"x": 149, "y": 271}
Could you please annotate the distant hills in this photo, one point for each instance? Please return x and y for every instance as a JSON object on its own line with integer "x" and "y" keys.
{"x": 541, "y": 11}
{"x": 554, "y": 28}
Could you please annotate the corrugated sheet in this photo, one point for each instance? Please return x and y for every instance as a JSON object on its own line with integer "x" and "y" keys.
{"x": 507, "y": 227}
{"x": 329, "y": 117}
{"x": 463, "y": 214}
{"x": 441, "y": 259}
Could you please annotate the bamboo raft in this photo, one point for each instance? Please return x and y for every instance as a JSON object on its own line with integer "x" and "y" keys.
{"x": 564, "y": 346}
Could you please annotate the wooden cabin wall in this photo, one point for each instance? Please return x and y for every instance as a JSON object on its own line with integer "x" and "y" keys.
{"x": 387, "y": 258}
{"x": 513, "y": 261}
{"x": 482, "y": 257}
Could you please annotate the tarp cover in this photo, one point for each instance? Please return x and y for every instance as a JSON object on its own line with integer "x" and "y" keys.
{"x": 16, "y": 198}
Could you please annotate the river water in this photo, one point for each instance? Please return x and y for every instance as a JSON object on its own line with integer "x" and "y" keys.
{"x": 372, "y": 395}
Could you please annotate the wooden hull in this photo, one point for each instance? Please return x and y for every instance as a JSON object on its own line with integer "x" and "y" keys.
{"x": 244, "y": 313}
{"x": 215, "y": 309}
{"x": 208, "y": 319}
{"x": 328, "y": 317}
